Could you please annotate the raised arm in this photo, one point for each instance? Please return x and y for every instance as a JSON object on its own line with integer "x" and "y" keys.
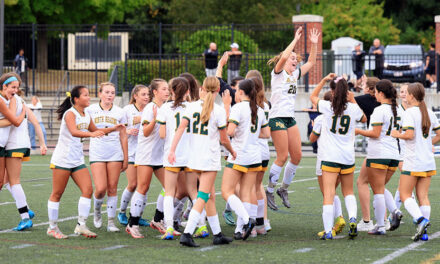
{"x": 314, "y": 37}
{"x": 314, "y": 97}
{"x": 221, "y": 63}
{"x": 288, "y": 51}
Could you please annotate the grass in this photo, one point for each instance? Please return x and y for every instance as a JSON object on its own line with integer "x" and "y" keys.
{"x": 293, "y": 238}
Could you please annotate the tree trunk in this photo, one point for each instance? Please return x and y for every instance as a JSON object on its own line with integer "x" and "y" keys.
{"x": 42, "y": 51}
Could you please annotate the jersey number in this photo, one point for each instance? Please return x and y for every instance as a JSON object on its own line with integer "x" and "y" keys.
{"x": 396, "y": 126}
{"x": 177, "y": 116}
{"x": 203, "y": 126}
{"x": 344, "y": 122}
{"x": 254, "y": 127}
{"x": 292, "y": 89}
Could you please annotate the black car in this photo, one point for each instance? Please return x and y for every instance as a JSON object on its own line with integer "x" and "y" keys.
{"x": 404, "y": 63}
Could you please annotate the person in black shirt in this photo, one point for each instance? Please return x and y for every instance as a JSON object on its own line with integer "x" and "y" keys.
{"x": 358, "y": 63}
{"x": 430, "y": 65}
{"x": 224, "y": 85}
{"x": 377, "y": 50}
{"x": 234, "y": 62}
{"x": 211, "y": 56}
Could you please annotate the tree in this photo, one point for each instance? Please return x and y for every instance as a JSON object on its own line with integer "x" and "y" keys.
{"x": 66, "y": 12}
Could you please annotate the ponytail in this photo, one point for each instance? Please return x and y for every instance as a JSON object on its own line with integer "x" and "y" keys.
{"x": 275, "y": 59}
{"x": 418, "y": 91}
{"x": 179, "y": 86}
{"x": 256, "y": 77}
{"x": 69, "y": 101}
{"x": 340, "y": 100}
{"x": 248, "y": 87}
{"x": 386, "y": 87}
{"x": 154, "y": 85}
{"x": 193, "y": 86}
{"x": 211, "y": 85}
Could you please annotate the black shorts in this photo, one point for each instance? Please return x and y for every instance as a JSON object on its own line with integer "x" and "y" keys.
{"x": 430, "y": 70}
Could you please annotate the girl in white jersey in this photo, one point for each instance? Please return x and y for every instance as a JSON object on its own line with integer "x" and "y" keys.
{"x": 339, "y": 120}
{"x": 284, "y": 132}
{"x": 382, "y": 154}
{"x": 247, "y": 123}
{"x": 418, "y": 162}
{"x": 149, "y": 155}
{"x": 207, "y": 123}
{"x": 108, "y": 154}
{"x": 68, "y": 159}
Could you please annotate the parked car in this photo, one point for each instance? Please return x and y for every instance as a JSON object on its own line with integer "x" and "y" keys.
{"x": 404, "y": 63}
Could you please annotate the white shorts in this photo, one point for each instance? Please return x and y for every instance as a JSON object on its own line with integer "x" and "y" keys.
{"x": 318, "y": 167}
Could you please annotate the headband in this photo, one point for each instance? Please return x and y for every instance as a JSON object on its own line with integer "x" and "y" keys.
{"x": 68, "y": 94}
{"x": 10, "y": 79}
{"x": 338, "y": 79}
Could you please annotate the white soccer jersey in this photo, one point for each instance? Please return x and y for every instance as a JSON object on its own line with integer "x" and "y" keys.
{"x": 384, "y": 147}
{"x": 108, "y": 147}
{"x": 283, "y": 93}
{"x": 204, "y": 140}
{"x": 149, "y": 150}
{"x": 401, "y": 141}
{"x": 69, "y": 150}
{"x": 4, "y": 131}
{"x": 246, "y": 137}
{"x": 171, "y": 118}
{"x": 131, "y": 112}
{"x": 418, "y": 156}
{"x": 338, "y": 133}
{"x": 264, "y": 142}
{"x": 19, "y": 136}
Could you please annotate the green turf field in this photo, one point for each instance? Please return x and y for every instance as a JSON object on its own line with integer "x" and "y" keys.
{"x": 292, "y": 239}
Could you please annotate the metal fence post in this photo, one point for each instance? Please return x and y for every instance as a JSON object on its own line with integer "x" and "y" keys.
{"x": 232, "y": 33}
{"x": 125, "y": 71}
{"x": 186, "y": 62}
{"x": 247, "y": 62}
{"x": 33, "y": 58}
{"x": 96, "y": 59}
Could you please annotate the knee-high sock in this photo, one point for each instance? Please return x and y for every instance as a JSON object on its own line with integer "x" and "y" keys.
{"x": 289, "y": 174}
{"x": 397, "y": 199}
{"x": 239, "y": 225}
{"x": 52, "y": 211}
{"x": 379, "y": 209}
{"x": 144, "y": 204}
{"x": 125, "y": 199}
{"x": 260, "y": 209}
{"x": 159, "y": 203}
{"x": 337, "y": 207}
{"x": 112, "y": 202}
{"x": 84, "y": 205}
{"x": 228, "y": 207}
{"x": 389, "y": 201}
{"x": 426, "y": 211}
{"x": 412, "y": 208}
{"x": 351, "y": 205}
{"x": 214, "y": 224}
{"x": 193, "y": 219}
{"x": 168, "y": 211}
{"x": 202, "y": 219}
{"x": 238, "y": 208}
{"x": 179, "y": 208}
{"x": 274, "y": 175}
{"x": 97, "y": 203}
{"x": 136, "y": 204}
{"x": 327, "y": 217}
{"x": 20, "y": 200}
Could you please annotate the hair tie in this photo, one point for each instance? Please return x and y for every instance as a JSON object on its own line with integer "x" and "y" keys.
{"x": 338, "y": 79}
{"x": 68, "y": 94}
{"x": 10, "y": 79}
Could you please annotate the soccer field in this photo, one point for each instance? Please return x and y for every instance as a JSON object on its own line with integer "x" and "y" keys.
{"x": 293, "y": 237}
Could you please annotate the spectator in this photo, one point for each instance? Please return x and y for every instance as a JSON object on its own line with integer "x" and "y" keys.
{"x": 36, "y": 107}
{"x": 211, "y": 56}
{"x": 377, "y": 50}
{"x": 430, "y": 65}
{"x": 358, "y": 63}
{"x": 21, "y": 65}
{"x": 234, "y": 62}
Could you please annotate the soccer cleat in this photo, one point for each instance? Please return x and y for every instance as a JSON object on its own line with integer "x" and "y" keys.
{"x": 422, "y": 225}
{"x": 271, "y": 201}
{"x": 396, "y": 218}
{"x": 31, "y": 214}
{"x": 267, "y": 226}
{"x": 220, "y": 239}
{"x": 187, "y": 240}
{"x": 56, "y": 233}
{"x": 387, "y": 224}
{"x": 365, "y": 227}
{"x": 327, "y": 236}
{"x": 97, "y": 219}
{"x": 284, "y": 196}
{"x": 424, "y": 236}
{"x": 111, "y": 227}
{"x": 238, "y": 236}
{"x": 261, "y": 230}
{"x": 378, "y": 231}
{"x": 177, "y": 233}
{"x": 253, "y": 233}
{"x": 201, "y": 232}
{"x": 322, "y": 233}
{"x": 134, "y": 231}
{"x": 83, "y": 230}
{"x": 168, "y": 234}
{"x": 23, "y": 225}
{"x": 143, "y": 222}
{"x": 352, "y": 233}
{"x": 123, "y": 220}
{"x": 229, "y": 218}
{"x": 339, "y": 224}
{"x": 247, "y": 228}
{"x": 159, "y": 226}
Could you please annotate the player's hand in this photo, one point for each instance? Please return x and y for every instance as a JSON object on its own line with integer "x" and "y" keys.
{"x": 136, "y": 120}
{"x": 124, "y": 165}
{"x": 226, "y": 97}
{"x": 133, "y": 132}
{"x": 119, "y": 127}
{"x": 97, "y": 134}
{"x": 172, "y": 157}
{"x": 395, "y": 133}
{"x": 314, "y": 36}
{"x": 298, "y": 33}
{"x": 330, "y": 76}
{"x": 233, "y": 154}
{"x": 43, "y": 149}
{"x": 154, "y": 111}
{"x": 224, "y": 59}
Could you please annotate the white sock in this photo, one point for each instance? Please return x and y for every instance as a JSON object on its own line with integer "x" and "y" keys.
{"x": 239, "y": 225}
{"x": 97, "y": 203}
{"x": 202, "y": 219}
{"x": 84, "y": 205}
{"x": 238, "y": 208}
{"x": 254, "y": 211}
{"x": 397, "y": 199}
{"x": 112, "y": 204}
{"x": 52, "y": 210}
{"x": 179, "y": 208}
{"x": 327, "y": 217}
{"x": 260, "y": 209}
{"x": 159, "y": 203}
{"x": 168, "y": 211}
{"x": 289, "y": 173}
{"x": 193, "y": 219}
{"x": 274, "y": 175}
{"x": 136, "y": 204}
{"x": 389, "y": 201}
{"x": 20, "y": 200}
{"x": 228, "y": 207}
{"x": 337, "y": 207}
{"x": 412, "y": 208}
{"x": 214, "y": 224}
{"x": 125, "y": 199}
{"x": 426, "y": 211}
{"x": 144, "y": 204}
{"x": 379, "y": 209}
{"x": 351, "y": 205}
{"x": 8, "y": 187}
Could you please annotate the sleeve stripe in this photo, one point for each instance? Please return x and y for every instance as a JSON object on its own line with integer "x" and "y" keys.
{"x": 187, "y": 118}
{"x": 222, "y": 127}
{"x": 363, "y": 117}
{"x": 436, "y": 128}
{"x": 160, "y": 122}
{"x": 145, "y": 122}
{"x": 265, "y": 125}
{"x": 377, "y": 124}
{"x": 233, "y": 121}
{"x": 408, "y": 127}
{"x": 316, "y": 133}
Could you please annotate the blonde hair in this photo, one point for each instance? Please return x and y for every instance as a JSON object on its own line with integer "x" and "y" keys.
{"x": 277, "y": 58}
{"x": 211, "y": 85}
{"x": 135, "y": 91}
{"x": 101, "y": 86}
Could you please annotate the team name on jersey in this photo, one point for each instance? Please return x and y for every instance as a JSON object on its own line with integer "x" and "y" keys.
{"x": 82, "y": 126}
{"x": 105, "y": 119}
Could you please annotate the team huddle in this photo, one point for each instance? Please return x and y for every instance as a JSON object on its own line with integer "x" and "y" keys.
{"x": 175, "y": 130}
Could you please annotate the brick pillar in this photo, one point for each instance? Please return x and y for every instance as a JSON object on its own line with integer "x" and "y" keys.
{"x": 310, "y": 21}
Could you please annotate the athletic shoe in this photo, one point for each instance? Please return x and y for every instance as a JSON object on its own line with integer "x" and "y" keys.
{"x": 168, "y": 234}
{"x": 56, "y": 233}
{"x": 424, "y": 236}
{"x": 201, "y": 232}
{"x": 322, "y": 233}
{"x": 271, "y": 201}
{"x": 267, "y": 225}
{"x": 422, "y": 225}
{"x": 327, "y": 236}
{"x": 387, "y": 224}
{"x": 261, "y": 230}
{"x": 284, "y": 196}
{"x": 23, "y": 225}
{"x": 247, "y": 228}
{"x": 352, "y": 233}
{"x": 238, "y": 236}
{"x": 220, "y": 239}
{"x": 187, "y": 240}
{"x": 159, "y": 226}
{"x": 31, "y": 214}
{"x": 339, "y": 224}
{"x": 229, "y": 218}
{"x": 123, "y": 220}
{"x": 143, "y": 222}
{"x": 396, "y": 216}
{"x": 84, "y": 231}
{"x": 134, "y": 231}
{"x": 111, "y": 227}
{"x": 365, "y": 227}
{"x": 378, "y": 231}
{"x": 253, "y": 233}
{"x": 97, "y": 219}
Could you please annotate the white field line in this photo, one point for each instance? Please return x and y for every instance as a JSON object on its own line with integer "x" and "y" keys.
{"x": 5, "y": 203}
{"x": 22, "y": 246}
{"x": 114, "y": 247}
{"x": 203, "y": 249}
